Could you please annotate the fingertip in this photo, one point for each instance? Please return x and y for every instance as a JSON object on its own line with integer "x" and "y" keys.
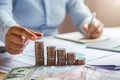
{"x": 40, "y": 34}
{"x": 34, "y": 38}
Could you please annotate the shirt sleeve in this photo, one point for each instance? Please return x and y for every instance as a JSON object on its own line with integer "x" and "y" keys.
{"x": 78, "y": 12}
{"x": 6, "y": 17}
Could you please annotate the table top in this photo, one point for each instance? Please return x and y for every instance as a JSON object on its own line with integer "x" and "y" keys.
{"x": 80, "y": 48}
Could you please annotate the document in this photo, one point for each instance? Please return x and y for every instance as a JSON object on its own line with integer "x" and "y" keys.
{"x": 61, "y": 73}
{"x": 111, "y": 60}
{"x": 78, "y": 37}
{"x": 109, "y": 45}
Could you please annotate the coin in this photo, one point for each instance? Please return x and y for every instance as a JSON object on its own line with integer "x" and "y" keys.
{"x": 51, "y": 48}
{"x": 61, "y": 56}
{"x": 60, "y": 63}
{"x": 61, "y": 51}
{"x": 81, "y": 61}
{"x": 51, "y": 62}
{"x": 71, "y": 58}
{"x": 39, "y": 62}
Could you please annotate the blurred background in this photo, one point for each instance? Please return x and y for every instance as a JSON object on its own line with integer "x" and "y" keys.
{"x": 108, "y": 11}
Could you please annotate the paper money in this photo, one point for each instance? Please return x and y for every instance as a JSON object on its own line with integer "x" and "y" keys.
{"x": 61, "y": 73}
{"x": 22, "y": 73}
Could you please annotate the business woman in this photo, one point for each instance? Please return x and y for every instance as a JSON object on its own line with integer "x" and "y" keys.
{"x": 22, "y": 20}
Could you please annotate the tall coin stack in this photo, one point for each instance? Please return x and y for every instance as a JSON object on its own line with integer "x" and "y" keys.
{"x": 39, "y": 53}
{"x": 51, "y": 55}
{"x": 61, "y": 55}
{"x": 71, "y": 58}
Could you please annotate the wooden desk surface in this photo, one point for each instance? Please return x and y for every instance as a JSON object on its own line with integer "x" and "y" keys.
{"x": 2, "y": 75}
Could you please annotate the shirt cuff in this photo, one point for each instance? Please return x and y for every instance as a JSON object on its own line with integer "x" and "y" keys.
{"x": 4, "y": 29}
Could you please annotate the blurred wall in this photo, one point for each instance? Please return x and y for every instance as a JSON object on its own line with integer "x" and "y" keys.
{"x": 108, "y": 11}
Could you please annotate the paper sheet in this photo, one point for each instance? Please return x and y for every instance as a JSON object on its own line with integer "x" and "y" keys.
{"x": 78, "y": 37}
{"x": 111, "y": 60}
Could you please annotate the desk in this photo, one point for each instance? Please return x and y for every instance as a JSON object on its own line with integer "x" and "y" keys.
{"x": 27, "y": 58}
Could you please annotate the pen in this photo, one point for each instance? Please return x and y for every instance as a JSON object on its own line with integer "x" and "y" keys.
{"x": 93, "y": 17}
{"x": 109, "y": 67}
{"x": 90, "y": 24}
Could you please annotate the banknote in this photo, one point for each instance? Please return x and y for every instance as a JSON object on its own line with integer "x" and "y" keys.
{"x": 61, "y": 73}
{"x": 22, "y": 73}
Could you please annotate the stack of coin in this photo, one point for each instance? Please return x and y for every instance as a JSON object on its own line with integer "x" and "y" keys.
{"x": 39, "y": 53}
{"x": 71, "y": 58}
{"x": 81, "y": 61}
{"x": 51, "y": 55}
{"x": 61, "y": 56}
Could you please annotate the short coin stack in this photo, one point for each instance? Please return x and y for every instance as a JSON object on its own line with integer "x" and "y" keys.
{"x": 71, "y": 58}
{"x": 51, "y": 55}
{"x": 39, "y": 53}
{"x": 80, "y": 61}
{"x": 61, "y": 55}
